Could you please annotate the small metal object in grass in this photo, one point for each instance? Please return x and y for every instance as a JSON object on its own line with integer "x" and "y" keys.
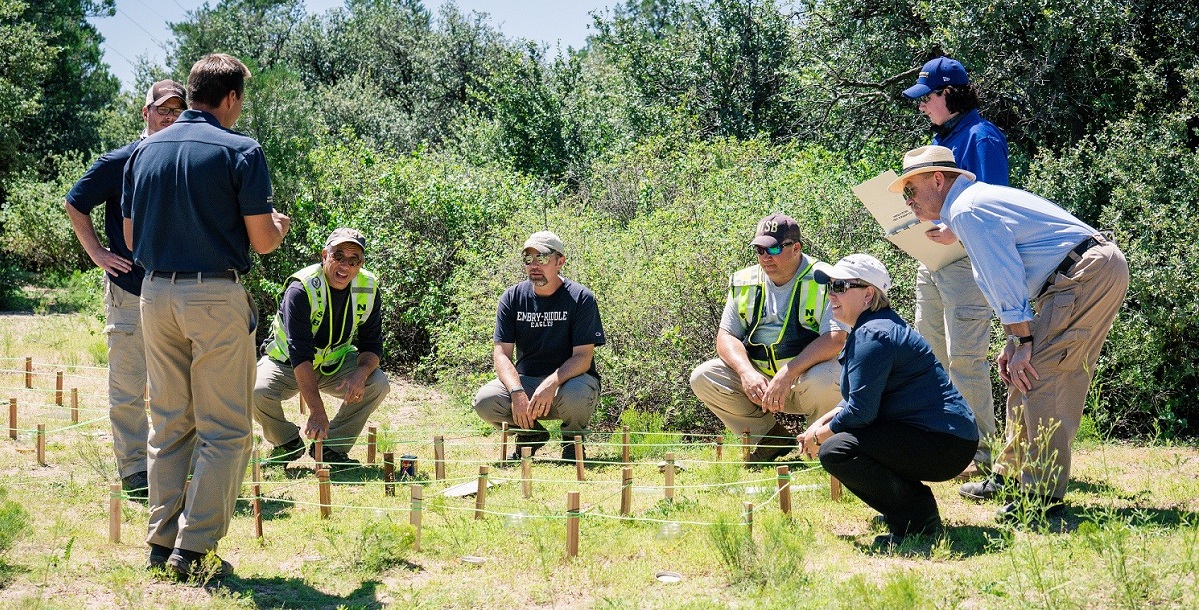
{"x": 669, "y": 578}
{"x": 407, "y": 467}
{"x": 472, "y": 559}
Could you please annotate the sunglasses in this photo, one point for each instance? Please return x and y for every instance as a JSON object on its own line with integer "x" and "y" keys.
{"x": 540, "y": 259}
{"x": 840, "y": 286}
{"x": 772, "y": 250}
{"x": 352, "y": 261}
{"x": 908, "y": 192}
{"x": 927, "y": 96}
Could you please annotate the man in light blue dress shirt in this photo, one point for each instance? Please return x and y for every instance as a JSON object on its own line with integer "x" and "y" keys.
{"x": 1025, "y": 249}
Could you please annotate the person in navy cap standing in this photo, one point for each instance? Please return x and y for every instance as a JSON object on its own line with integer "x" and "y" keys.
{"x": 951, "y": 312}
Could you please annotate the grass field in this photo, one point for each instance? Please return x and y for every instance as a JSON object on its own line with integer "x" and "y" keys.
{"x": 1130, "y": 540}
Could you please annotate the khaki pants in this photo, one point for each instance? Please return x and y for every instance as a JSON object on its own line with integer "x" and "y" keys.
{"x": 953, "y": 316}
{"x": 200, "y": 357}
{"x": 277, "y": 382}
{"x": 815, "y": 393}
{"x": 574, "y": 403}
{"x": 126, "y": 378}
{"x": 1070, "y": 324}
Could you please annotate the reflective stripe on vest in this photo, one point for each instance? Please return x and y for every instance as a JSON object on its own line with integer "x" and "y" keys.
{"x": 747, "y": 288}
{"x": 328, "y": 359}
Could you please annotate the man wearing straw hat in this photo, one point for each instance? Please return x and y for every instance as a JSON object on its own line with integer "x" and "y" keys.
{"x": 777, "y": 345}
{"x": 1027, "y": 249}
{"x": 165, "y": 101}
{"x": 552, "y": 326}
{"x": 327, "y": 335}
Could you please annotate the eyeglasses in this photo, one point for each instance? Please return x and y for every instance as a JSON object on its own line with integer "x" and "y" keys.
{"x": 908, "y": 192}
{"x": 840, "y": 286}
{"x": 773, "y": 250}
{"x": 164, "y": 111}
{"x": 927, "y": 96}
{"x": 352, "y": 261}
{"x": 540, "y": 259}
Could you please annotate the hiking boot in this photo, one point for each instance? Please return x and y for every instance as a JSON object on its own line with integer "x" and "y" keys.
{"x": 1037, "y": 509}
{"x": 568, "y": 452}
{"x": 990, "y": 488}
{"x": 334, "y": 458}
{"x": 777, "y": 443}
{"x": 158, "y": 557}
{"x": 534, "y": 440}
{"x": 190, "y": 565}
{"x": 136, "y": 487}
{"x": 286, "y": 453}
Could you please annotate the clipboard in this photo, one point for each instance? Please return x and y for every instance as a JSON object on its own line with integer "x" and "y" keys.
{"x": 901, "y": 227}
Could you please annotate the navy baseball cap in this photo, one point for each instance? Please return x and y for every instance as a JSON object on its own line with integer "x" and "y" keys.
{"x": 938, "y": 74}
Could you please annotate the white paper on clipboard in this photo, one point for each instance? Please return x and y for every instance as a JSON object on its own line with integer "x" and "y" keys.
{"x": 900, "y": 225}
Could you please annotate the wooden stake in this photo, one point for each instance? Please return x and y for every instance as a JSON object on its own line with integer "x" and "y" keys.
{"x": 326, "y": 494}
{"x": 745, "y": 446}
{"x": 579, "y": 472}
{"x": 503, "y": 441}
{"x": 439, "y": 458}
{"x": 12, "y": 418}
{"x": 41, "y": 444}
{"x": 414, "y": 515}
{"x": 670, "y": 476}
{"x": 256, "y": 465}
{"x": 572, "y": 524}
{"x": 58, "y": 388}
{"x": 481, "y": 493}
{"x": 719, "y": 448}
{"x": 784, "y": 473}
{"x": 319, "y": 453}
{"x": 526, "y": 471}
{"x": 303, "y": 406}
{"x": 28, "y": 373}
{"x": 749, "y": 517}
{"x": 258, "y": 510}
{"x": 389, "y": 474}
{"x": 114, "y": 513}
{"x": 834, "y": 488}
{"x": 626, "y": 491}
{"x": 74, "y": 405}
{"x": 372, "y": 437}
{"x": 624, "y": 445}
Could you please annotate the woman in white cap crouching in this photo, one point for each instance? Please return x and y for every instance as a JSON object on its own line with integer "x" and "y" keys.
{"x": 900, "y": 420}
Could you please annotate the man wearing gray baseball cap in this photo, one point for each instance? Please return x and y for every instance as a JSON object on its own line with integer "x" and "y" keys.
{"x": 327, "y": 336}
{"x": 552, "y": 326}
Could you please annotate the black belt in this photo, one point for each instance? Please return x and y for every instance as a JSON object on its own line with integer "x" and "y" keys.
{"x": 227, "y": 274}
{"x": 1072, "y": 257}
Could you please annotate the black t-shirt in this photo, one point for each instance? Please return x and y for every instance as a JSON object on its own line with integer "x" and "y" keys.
{"x": 547, "y": 329}
{"x": 102, "y": 185}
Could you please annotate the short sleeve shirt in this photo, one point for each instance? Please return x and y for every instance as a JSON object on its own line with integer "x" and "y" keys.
{"x": 188, "y": 189}
{"x": 102, "y": 185}
{"x": 547, "y": 329}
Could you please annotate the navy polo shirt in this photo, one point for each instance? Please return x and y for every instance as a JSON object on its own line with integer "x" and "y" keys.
{"x": 187, "y": 190}
{"x": 102, "y": 185}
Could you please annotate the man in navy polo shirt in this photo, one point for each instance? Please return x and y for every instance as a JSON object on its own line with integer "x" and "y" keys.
{"x": 123, "y": 319}
{"x": 196, "y": 198}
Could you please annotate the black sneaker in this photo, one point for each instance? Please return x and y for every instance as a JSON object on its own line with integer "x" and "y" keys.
{"x": 136, "y": 487}
{"x": 158, "y": 557}
{"x": 534, "y": 440}
{"x": 1037, "y": 510}
{"x": 286, "y": 453}
{"x": 990, "y": 488}
{"x": 568, "y": 452}
{"x": 202, "y": 567}
{"x": 334, "y": 459}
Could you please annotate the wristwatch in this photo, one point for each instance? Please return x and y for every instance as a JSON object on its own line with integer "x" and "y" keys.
{"x": 520, "y": 389}
{"x": 1019, "y": 340}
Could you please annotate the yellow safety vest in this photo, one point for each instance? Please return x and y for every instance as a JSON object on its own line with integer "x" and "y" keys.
{"x": 328, "y": 359}
{"x": 806, "y": 304}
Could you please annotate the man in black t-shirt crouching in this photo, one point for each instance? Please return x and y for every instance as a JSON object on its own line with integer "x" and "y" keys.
{"x": 553, "y": 325}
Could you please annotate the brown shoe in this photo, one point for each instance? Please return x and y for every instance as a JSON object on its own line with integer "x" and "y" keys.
{"x": 777, "y": 443}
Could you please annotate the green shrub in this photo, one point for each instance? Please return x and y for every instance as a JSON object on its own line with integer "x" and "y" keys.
{"x": 36, "y": 231}
{"x": 13, "y": 522}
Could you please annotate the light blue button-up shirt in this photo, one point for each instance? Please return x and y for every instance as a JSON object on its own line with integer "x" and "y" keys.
{"x": 1015, "y": 241}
